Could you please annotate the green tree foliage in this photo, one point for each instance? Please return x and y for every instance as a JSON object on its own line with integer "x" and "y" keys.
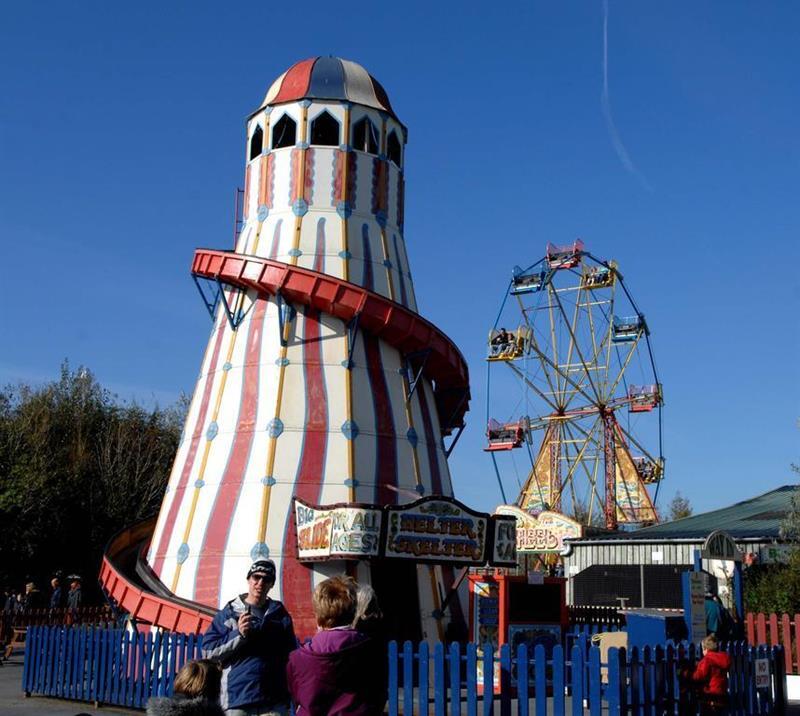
{"x": 776, "y": 587}
{"x": 773, "y": 587}
{"x": 679, "y": 507}
{"x": 790, "y": 527}
{"x": 76, "y": 466}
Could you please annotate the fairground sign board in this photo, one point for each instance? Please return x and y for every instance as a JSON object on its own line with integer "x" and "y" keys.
{"x": 543, "y": 533}
{"x": 504, "y": 543}
{"x": 438, "y": 530}
{"x": 337, "y": 532}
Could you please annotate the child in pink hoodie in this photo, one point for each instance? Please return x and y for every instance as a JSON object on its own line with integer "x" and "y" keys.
{"x": 341, "y": 672}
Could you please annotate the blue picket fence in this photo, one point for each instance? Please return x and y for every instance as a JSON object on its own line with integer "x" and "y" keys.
{"x": 449, "y": 680}
{"x": 113, "y": 666}
{"x": 108, "y": 666}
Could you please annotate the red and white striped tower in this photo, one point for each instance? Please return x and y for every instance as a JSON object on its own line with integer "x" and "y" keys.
{"x": 307, "y": 387}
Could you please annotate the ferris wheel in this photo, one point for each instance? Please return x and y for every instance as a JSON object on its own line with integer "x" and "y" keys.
{"x": 573, "y": 398}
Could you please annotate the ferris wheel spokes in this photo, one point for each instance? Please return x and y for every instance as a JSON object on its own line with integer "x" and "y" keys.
{"x": 622, "y": 368}
{"x": 546, "y": 359}
{"x": 584, "y": 340}
{"x": 533, "y": 387}
{"x": 574, "y": 342}
{"x": 591, "y": 476}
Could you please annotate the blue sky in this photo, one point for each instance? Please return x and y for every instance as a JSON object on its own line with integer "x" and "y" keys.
{"x": 121, "y": 140}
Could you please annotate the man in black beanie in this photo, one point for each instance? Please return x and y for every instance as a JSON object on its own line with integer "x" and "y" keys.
{"x": 251, "y": 637}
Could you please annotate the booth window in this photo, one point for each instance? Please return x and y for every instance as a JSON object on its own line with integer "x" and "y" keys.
{"x": 284, "y": 133}
{"x": 393, "y": 150}
{"x": 365, "y": 136}
{"x": 325, "y": 130}
{"x": 256, "y": 142}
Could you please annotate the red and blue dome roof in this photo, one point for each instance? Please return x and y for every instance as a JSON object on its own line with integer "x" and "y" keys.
{"x": 328, "y": 78}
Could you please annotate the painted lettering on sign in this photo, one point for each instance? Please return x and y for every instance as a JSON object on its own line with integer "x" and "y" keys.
{"x": 433, "y": 529}
{"x": 505, "y": 541}
{"x": 338, "y": 532}
{"x": 545, "y": 532}
{"x": 355, "y": 531}
{"x": 436, "y": 530}
{"x": 532, "y": 539}
{"x": 762, "y": 673}
{"x": 316, "y": 535}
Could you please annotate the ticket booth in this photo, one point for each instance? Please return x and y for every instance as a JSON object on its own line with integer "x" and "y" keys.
{"x": 516, "y": 609}
{"x": 523, "y": 606}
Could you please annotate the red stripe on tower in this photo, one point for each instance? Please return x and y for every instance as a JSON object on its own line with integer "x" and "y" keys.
{"x": 431, "y": 443}
{"x": 269, "y": 181}
{"x": 295, "y": 83}
{"x": 308, "y": 175}
{"x": 209, "y": 568}
{"x": 296, "y": 578}
{"x": 301, "y": 159}
{"x": 342, "y": 192}
{"x": 430, "y": 440}
{"x": 160, "y": 552}
{"x": 380, "y": 186}
{"x": 386, "y": 457}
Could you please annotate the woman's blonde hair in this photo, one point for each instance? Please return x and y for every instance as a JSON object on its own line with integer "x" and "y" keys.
{"x": 200, "y": 677}
{"x": 367, "y": 605}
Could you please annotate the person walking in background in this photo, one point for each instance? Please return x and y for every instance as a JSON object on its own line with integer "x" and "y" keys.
{"x": 713, "y": 614}
{"x": 6, "y": 619}
{"x": 56, "y": 595}
{"x": 195, "y": 692}
{"x": 74, "y": 599}
{"x": 8, "y": 600}
{"x": 726, "y": 630}
{"x": 33, "y": 597}
{"x": 341, "y": 670}
{"x": 251, "y": 637}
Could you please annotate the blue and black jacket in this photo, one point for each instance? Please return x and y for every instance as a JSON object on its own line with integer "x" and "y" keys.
{"x": 253, "y": 667}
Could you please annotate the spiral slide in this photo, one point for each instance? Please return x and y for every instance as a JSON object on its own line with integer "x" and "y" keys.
{"x": 125, "y": 576}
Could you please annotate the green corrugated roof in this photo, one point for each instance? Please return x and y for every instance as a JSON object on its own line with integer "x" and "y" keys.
{"x": 751, "y": 519}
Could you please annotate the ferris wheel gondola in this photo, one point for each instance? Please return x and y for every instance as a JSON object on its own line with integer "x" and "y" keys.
{"x": 577, "y": 373}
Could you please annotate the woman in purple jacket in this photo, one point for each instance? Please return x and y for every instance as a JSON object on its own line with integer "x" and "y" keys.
{"x": 340, "y": 672}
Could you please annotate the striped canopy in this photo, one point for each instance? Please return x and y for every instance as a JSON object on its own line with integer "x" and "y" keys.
{"x": 328, "y": 78}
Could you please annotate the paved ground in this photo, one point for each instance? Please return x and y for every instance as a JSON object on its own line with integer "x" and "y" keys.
{"x": 14, "y": 703}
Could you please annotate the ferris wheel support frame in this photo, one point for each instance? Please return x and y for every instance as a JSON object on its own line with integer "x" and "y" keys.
{"x": 610, "y": 459}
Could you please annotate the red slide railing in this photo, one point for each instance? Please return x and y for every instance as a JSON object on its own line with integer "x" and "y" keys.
{"x": 400, "y": 327}
{"x": 120, "y": 581}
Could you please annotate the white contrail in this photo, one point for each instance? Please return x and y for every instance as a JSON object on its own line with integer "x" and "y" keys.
{"x": 616, "y": 140}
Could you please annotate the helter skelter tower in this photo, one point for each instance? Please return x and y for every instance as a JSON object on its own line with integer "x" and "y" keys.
{"x": 320, "y": 380}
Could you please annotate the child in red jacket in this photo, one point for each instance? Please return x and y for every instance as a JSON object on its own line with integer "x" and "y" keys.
{"x": 711, "y": 678}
